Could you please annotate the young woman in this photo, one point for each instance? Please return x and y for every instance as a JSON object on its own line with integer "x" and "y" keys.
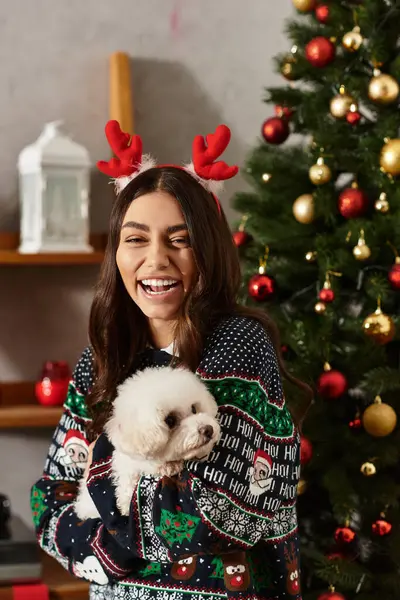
{"x": 167, "y": 293}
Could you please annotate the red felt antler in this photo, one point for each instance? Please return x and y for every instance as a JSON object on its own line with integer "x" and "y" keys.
{"x": 128, "y": 151}
{"x": 204, "y": 155}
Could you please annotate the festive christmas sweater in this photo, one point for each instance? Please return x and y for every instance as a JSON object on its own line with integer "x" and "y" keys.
{"x": 224, "y": 528}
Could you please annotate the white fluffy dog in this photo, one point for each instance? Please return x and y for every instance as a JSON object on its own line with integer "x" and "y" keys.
{"x": 161, "y": 417}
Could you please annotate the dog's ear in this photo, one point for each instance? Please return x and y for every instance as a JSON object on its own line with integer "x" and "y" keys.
{"x": 135, "y": 431}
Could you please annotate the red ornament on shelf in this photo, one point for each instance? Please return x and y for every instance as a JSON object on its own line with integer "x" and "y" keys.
{"x": 275, "y": 130}
{"x": 394, "y": 275}
{"x": 306, "y": 451}
{"x": 332, "y": 384}
{"x": 353, "y": 203}
{"x": 283, "y": 112}
{"x": 344, "y": 535}
{"x": 261, "y": 287}
{"x": 320, "y": 52}
{"x": 322, "y": 13}
{"x": 52, "y": 388}
{"x": 381, "y": 527}
{"x": 353, "y": 117}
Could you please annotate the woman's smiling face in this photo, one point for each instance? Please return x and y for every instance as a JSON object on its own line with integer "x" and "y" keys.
{"x": 154, "y": 255}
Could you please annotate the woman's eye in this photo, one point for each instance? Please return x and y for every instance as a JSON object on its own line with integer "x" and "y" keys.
{"x": 194, "y": 411}
{"x": 182, "y": 241}
{"x": 171, "y": 421}
{"x": 135, "y": 240}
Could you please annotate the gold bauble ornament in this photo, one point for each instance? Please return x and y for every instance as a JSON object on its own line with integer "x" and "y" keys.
{"x": 303, "y": 209}
{"x": 320, "y": 173}
{"x": 383, "y": 88}
{"x": 287, "y": 71}
{"x": 361, "y": 251}
{"x": 368, "y": 469}
{"x": 311, "y": 256}
{"x": 340, "y": 104}
{"x": 379, "y": 419}
{"x": 382, "y": 205}
{"x": 304, "y": 5}
{"x": 301, "y": 487}
{"x": 287, "y": 68}
{"x": 390, "y": 157}
{"x": 320, "y": 308}
{"x": 379, "y": 326}
{"x": 352, "y": 40}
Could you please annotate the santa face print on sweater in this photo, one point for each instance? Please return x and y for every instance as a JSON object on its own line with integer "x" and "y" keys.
{"x": 75, "y": 451}
{"x": 260, "y": 480}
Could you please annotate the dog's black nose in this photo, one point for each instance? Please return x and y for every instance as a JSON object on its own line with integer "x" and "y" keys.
{"x": 207, "y": 431}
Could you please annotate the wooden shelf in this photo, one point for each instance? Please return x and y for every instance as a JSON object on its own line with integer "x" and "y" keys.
{"x": 19, "y": 408}
{"x": 62, "y": 585}
{"x": 9, "y": 255}
{"x": 29, "y": 416}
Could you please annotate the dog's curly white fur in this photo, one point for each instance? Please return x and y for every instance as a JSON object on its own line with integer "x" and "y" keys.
{"x": 161, "y": 417}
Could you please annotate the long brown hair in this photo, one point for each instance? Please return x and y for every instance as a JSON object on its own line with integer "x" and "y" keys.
{"x": 118, "y": 330}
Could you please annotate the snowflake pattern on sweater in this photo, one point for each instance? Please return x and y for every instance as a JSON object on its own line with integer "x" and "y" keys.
{"x": 223, "y": 528}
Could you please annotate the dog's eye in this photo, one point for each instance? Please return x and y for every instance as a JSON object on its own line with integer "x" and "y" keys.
{"x": 194, "y": 411}
{"x": 171, "y": 421}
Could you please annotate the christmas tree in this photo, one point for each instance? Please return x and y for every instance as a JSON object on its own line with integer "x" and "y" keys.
{"x": 177, "y": 527}
{"x": 319, "y": 242}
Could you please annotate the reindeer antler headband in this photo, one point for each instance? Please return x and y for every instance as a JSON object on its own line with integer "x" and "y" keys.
{"x": 130, "y": 161}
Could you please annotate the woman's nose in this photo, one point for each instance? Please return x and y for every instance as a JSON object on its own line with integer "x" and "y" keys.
{"x": 158, "y": 257}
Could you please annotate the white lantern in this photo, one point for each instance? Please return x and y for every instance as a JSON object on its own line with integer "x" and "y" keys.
{"x": 54, "y": 179}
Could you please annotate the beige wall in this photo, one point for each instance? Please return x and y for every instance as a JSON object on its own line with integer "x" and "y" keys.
{"x": 194, "y": 64}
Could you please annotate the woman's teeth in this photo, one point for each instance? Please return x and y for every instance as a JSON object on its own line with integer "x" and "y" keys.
{"x": 158, "y": 286}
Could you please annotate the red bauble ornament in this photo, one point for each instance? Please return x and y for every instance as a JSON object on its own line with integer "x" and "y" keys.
{"x": 355, "y": 423}
{"x": 353, "y": 117}
{"x": 332, "y": 384}
{"x": 322, "y": 13}
{"x": 261, "y": 287}
{"x": 284, "y": 112}
{"x": 320, "y": 52}
{"x": 327, "y": 295}
{"x": 275, "y": 130}
{"x": 335, "y": 556}
{"x": 394, "y": 275}
{"x": 331, "y": 596}
{"x": 241, "y": 238}
{"x": 306, "y": 451}
{"x": 52, "y": 388}
{"x": 353, "y": 203}
{"x": 381, "y": 527}
{"x": 344, "y": 535}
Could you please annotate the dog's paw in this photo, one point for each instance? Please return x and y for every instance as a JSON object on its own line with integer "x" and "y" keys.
{"x": 84, "y": 506}
{"x": 171, "y": 468}
{"x": 124, "y": 501}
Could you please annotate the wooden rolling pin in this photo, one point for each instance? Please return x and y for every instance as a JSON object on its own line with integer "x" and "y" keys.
{"x": 121, "y": 105}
